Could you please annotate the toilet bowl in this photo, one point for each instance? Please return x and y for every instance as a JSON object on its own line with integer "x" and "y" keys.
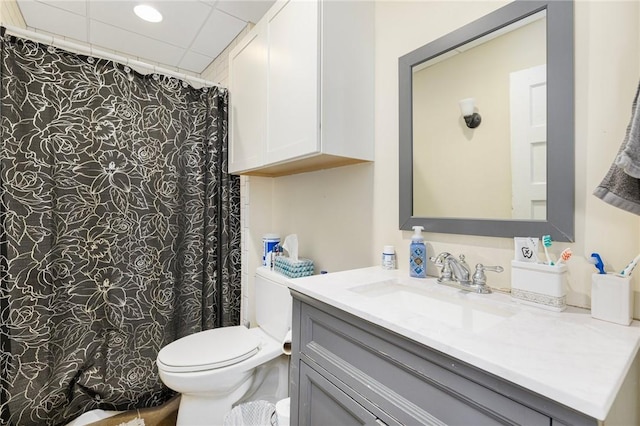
{"x": 217, "y": 369}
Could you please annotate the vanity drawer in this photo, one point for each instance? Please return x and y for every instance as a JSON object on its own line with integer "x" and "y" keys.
{"x": 410, "y": 382}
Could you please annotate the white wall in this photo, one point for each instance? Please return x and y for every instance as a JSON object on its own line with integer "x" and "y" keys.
{"x": 344, "y": 216}
{"x": 10, "y": 14}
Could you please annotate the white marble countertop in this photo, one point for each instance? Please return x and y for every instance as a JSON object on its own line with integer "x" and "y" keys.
{"x": 568, "y": 356}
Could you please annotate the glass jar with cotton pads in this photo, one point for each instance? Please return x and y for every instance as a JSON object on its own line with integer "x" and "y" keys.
{"x": 269, "y": 246}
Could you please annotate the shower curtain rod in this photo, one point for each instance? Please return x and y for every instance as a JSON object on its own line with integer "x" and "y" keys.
{"x": 90, "y": 51}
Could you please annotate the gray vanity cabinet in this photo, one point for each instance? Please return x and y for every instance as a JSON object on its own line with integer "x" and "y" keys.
{"x": 326, "y": 404}
{"x": 347, "y": 371}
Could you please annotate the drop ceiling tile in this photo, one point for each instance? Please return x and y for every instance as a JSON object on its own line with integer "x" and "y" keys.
{"x": 53, "y": 20}
{"x": 195, "y": 62}
{"x": 135, "y": 45}
{"x": 192, "y": 34}
{"x": 181, "y": 19}
{"x": 217, "y": 34}
{"x": 73, "y": 6}
{"x": 247, "y": 10}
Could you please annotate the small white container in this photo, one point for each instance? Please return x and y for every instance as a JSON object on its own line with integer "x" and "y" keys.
{"x": 389, "y": 257}
{"x": 612, "y": 298}
{"x": 540, "y": 285}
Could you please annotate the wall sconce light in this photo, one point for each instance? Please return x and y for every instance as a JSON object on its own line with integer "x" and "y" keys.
{"x": 467, "y": 108}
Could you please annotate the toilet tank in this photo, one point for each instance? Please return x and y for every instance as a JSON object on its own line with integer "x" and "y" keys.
{"x": 273, "y": 303}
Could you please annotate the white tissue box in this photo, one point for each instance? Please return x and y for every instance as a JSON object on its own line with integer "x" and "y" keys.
{"x": 612, "y": 298}
{"x": 297, "y": 269}
{"x": 540, "y": 285}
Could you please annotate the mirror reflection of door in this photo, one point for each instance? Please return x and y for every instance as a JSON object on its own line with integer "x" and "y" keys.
{"x": 529, "y": 143}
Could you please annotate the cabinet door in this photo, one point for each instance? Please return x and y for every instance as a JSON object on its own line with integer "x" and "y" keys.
{"x": 322, "y": 403}
{"x": 293, "y": 80}
{"x": 247, "y": 101}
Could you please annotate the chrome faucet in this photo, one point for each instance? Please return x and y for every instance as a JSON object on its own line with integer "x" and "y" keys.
{"x": 456, "y": 273}
{"x": 452, "y": 269}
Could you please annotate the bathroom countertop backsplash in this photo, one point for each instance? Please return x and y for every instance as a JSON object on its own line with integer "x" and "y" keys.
{"x": 567, "y": 356}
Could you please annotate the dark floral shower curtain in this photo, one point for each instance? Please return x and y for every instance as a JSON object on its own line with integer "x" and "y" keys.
{"x": 120, "y": 230}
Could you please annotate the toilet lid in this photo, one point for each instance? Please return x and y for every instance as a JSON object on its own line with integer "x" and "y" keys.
{"x": 209, "y": 349}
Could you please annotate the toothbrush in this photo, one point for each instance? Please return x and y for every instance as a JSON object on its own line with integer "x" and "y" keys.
{"x": 546, "y": 242}
{"x": 597, "y": 260}
{"x": 629, "y": 269}
{"x": 565, "y": 255}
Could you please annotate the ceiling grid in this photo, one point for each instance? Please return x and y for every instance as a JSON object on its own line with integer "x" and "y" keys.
{"x": 191, "y": 35}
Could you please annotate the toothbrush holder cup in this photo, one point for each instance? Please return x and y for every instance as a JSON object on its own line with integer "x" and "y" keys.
{"x": 612, "y": 298}
{"x": 540, "y": 285}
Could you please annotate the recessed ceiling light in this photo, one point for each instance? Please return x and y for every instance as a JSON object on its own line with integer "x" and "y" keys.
{"x": 148, "y": 13}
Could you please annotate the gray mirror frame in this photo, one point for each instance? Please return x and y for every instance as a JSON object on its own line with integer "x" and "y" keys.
{"x": 560, "y": 125}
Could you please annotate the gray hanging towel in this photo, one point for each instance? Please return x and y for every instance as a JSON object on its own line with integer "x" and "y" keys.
{"x": 621, "y": 186}
{"x": 629, "y": 157}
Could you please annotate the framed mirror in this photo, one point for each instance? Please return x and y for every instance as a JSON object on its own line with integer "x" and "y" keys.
{"x": 511, "y": 172}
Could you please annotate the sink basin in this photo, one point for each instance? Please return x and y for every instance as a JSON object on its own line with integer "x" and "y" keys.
{"x": 455, "y": 309}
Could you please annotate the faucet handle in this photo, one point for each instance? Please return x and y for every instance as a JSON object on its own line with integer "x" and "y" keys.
{"x": 479, "y": 277}
{"x": 439, "y": 261}
{"x": 489, "y": 268}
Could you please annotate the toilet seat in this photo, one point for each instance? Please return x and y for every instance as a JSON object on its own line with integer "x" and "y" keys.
{"x": 209, "y": 349}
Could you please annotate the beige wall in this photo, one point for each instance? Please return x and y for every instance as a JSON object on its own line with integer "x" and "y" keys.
{"x": 10, "y": 14}
{"x": 344, "y": 216}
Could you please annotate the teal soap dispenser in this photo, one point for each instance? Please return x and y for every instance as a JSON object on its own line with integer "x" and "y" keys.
{"x": 417, "y": 254}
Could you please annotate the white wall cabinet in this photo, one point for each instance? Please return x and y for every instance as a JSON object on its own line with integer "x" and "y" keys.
{"x": 248, "y": 103}
{"x": 301, "y": 89}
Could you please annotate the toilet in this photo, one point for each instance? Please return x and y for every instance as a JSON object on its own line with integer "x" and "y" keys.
{"x": 217, "y": 369}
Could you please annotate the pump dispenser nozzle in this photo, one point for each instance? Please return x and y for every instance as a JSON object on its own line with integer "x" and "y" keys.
{"x": 417, "y": 233}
